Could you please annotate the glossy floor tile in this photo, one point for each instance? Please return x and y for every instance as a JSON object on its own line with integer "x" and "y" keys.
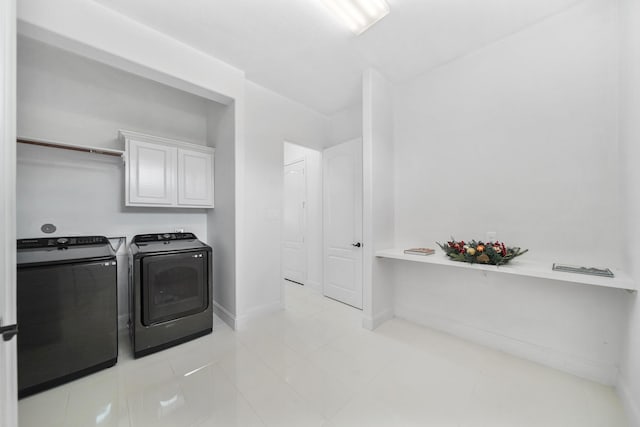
{"x": 313, "y": 365}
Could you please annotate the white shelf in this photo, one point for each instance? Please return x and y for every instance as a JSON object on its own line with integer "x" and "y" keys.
{"x": 521, "y": 266}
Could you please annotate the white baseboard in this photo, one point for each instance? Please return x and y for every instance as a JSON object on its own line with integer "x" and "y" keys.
{"x": 596, "y": 371}
{"x": 631, "y": 407}
{"x": 378, "y": 319}
{"x": 316, "y": 286}
{"x": 224, "y": 314}
{"x": 255, "y": 312}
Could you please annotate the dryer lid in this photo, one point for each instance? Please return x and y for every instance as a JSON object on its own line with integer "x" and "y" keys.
{"x": 166, "y": 242}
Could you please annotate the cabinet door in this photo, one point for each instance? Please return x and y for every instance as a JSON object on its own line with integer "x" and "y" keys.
{"x": 151, "y": 172}
{"x": 195, "y": 178}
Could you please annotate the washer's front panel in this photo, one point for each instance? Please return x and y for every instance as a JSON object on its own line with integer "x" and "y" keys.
{"x": 68, "y": 320}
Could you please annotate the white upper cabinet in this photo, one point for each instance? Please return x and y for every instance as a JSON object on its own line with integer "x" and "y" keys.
{"x": 165, "y": 172}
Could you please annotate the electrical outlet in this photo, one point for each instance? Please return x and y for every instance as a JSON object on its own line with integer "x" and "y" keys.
{"x": 491, "y": 236}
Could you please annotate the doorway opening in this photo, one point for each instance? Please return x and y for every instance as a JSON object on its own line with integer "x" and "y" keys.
{"x": 302, "y": 216}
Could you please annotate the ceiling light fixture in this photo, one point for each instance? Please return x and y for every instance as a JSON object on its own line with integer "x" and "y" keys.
{"x": 359, "y": 15}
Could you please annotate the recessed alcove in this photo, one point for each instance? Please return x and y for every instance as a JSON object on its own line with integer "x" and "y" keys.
{"x": 72, "y": 99}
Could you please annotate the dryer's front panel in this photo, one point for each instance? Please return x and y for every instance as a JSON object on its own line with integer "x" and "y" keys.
{"x": 173, "y": 286}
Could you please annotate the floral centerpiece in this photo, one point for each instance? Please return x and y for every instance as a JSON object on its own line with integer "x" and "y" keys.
{"x": 496, "y": 253}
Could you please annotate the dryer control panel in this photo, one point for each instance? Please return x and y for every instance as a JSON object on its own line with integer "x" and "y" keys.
{"x": 160, "y": 237}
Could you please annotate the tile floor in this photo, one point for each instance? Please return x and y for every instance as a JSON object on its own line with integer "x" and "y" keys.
{"x": 313, "y": 365}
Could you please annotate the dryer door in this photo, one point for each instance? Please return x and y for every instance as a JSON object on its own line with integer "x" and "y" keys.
{"x": 173, "y": 286}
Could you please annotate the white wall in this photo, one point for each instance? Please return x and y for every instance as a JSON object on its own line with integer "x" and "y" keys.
{"x": 221, "y": 221}
{"x": 571, "y": 327}
{"x": 518, "y": 137}
{"x": 629, "y": 380}
{"x": 378, "y": 196}
{"x": 313, "y": 225}
{"x": 270, "y": 120}
{"x": 345, "y": 125}
{"x": 65, "y": 97}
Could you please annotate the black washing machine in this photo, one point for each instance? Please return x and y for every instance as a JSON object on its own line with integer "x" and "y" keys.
{"x": 170, "y": 291}
{"x": 67, "y": 310}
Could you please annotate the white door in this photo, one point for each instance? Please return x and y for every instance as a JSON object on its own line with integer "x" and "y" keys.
{"x": 195, "y": 178}
{"x": 8, "y": 365}
{"x": 294, "y": 251}
{"x": 342, "y": 170}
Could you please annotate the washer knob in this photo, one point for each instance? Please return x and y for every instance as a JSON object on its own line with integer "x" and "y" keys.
{"x": 166, "y": 236}
{"x": 62, "y": 241}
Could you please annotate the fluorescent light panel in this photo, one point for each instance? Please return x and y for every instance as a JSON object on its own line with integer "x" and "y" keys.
{"x": 359, "y": 15}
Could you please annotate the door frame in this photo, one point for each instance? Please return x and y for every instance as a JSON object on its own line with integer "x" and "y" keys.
{"x": 8, "y": 350}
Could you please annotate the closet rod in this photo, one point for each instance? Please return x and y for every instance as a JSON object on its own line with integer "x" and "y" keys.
{"x": 63, "y": 146}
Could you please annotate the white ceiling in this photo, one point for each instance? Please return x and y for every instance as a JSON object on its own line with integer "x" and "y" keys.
{"x": 298, "y": 49}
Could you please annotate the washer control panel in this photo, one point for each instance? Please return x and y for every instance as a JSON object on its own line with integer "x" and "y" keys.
{"x": 62, "y": 242}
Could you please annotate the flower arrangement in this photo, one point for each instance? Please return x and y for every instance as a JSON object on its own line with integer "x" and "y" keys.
{"x": 495, "y": 253}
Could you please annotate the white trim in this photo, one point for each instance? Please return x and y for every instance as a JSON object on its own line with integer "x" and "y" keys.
{"x": 368, "y": 189}
{"x": 603, "y": 373}
{"x": 9, "y": 405}
{"x": 125, "y": 135}
{"x": 8, "y": 158}
{"x": 378, "y": 319}
{"x": 8, "y": 350}
{"x": 631, "y": 408}
{"x": 259, "y": 311}
{"x": 241, "y": 262}
{"x": 315, "y": 286}
{"x": 224, "y": 314}
{"x": 297, "y": 159}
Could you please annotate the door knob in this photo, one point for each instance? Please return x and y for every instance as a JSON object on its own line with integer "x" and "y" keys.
{"x": 357, "y": 245}
{"x": 8, "y": 332}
